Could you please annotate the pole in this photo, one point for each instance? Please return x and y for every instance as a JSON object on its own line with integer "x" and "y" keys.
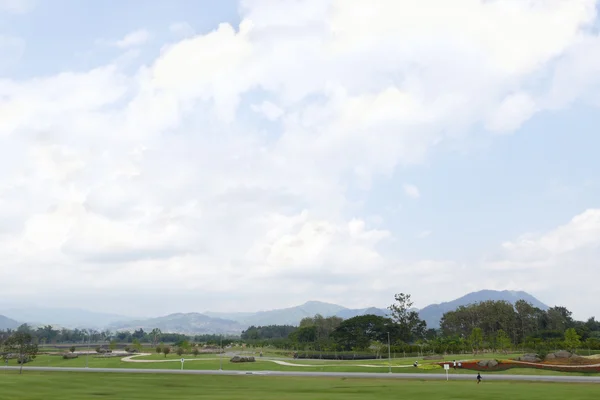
{"x": 221, "y": 354}
{"x": 389, "y": 354}
{"x": 87, "y": 351}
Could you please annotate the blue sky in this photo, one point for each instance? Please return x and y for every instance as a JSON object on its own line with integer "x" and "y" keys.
{"x": 315, "y": 150}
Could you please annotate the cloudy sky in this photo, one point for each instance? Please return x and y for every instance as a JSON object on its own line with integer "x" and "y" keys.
{"x": 191, "y": 155}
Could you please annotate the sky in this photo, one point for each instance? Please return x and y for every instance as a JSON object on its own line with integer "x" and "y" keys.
{"x": 194, "y": 155}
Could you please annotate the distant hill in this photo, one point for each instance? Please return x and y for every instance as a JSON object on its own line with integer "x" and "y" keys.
{"x": 284, "y": 316}
{"x": 186, "y": 323}
{"x": 350, "y": 313}
{"x": 235, "y": 322}
{"x": 433, "y": 313}
{"x": 8, "y": 323}
{"x": 64, "y": 317}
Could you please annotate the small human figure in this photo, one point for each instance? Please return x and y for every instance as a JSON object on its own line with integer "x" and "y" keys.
{"x": 416, "y": 364}
{"x": 459, "y": 364}
{"x": 478, "y": 378}
{"x": 454, "y": 364}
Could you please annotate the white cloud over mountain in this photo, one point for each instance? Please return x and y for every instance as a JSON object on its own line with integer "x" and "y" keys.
{"x": 223, "y": 166}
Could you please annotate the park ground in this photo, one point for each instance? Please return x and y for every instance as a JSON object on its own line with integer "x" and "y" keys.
{"x": 82, "y": 386}
{"x": 272, "y": 362}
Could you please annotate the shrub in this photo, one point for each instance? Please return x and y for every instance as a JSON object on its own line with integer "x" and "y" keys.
{"x": 238, "y": 359}
{"x": 158, "y": 349}
{"x": 180, "y": 351}
{"x": 72, "y": 349}
{"x": 196, "y": 351}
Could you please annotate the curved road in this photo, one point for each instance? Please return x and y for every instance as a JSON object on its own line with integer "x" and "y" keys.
{"x": 461, "y": 377}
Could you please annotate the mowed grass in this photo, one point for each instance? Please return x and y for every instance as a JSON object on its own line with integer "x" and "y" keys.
{"x": 212, "y": 362}
{"x": 81, "y": 386}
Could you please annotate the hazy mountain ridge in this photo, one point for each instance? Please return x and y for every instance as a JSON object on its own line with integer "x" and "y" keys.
{"x": 434, "y": 312}
{"x": 187, "y": 323}
{"x": 63, "y": 317}
{"x": 8, "y": 323}
{"x": 236, "y": 322}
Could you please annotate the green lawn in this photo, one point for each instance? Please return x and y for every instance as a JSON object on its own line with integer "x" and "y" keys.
{"x": 209, "y": 363}
{"x": 81, "y": 386}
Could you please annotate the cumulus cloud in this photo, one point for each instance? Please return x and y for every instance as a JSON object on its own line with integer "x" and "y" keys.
{"x": 557, "y": 263}
{"x": 162, "y": 178}
{"x": 133, "y": 39}
{"x": 181, "y": 29}
{"x": 412, "y": 191}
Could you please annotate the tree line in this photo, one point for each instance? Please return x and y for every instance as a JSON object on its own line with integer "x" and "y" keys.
{"x": 484, "y": 326}
{"x": 48, "y": 335}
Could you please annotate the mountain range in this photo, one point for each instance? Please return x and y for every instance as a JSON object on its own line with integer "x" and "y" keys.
{"x": 235, "y": 322}
{"x": 8, "y": 323}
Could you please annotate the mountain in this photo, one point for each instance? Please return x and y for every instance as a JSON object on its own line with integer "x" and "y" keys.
{"x": 187, "y": 323}
{"x": 8, "y": 323}
{"x": 434, "y": 312}
{"x": 287, "y": 316}
{"x": 64, "y": 317}
{"x": 350, "y": 313}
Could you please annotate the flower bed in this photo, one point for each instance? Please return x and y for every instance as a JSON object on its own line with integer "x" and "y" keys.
{"x": 504, "y": 365}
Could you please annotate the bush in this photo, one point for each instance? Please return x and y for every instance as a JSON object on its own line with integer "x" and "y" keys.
{"x": 24, "y": 360}
{"x": 158, "y": 349}
{"x": 196, "y": 351}
{"x": 72, "y": 349}
{"x": 238, "y": 359}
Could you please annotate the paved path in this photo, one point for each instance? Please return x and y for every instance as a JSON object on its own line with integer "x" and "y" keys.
{"x": 461, "y": 377}
{"x": 134, "y": 359}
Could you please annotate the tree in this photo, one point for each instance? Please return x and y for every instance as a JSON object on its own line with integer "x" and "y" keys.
{"x": 502, "y": 340}
{"x": 166, "y": 350}
{"x": 72, "y": 349}
{"x": 358, "y": 332}
{"x": 411, "y": 326}
{"x": 137, "y": 345}
{"x": 155, "y": 334}
{"x": 572, "y": 339}
{"x": 196, "y": 351}
{"x": 158, "y": 349}
{"x": 180, "y": 351}
{"x": 22, "y": 345}
{"x": 476, "y": 339}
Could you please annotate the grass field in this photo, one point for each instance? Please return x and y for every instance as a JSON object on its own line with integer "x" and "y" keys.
{"x": 81, "y": 386}
{"x": 211, "y": 362}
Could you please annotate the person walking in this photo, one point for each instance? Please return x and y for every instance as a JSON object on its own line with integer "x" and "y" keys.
{"x": 478, "y": 378}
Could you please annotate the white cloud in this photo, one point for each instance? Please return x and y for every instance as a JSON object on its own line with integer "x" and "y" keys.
{"x": 17, "y": 6}
{"x": 269, "y": 110}
{"x": 182, "y": 29}
{"x": 133, "y": 39}
{"x": 557, "y": 263}
{"x": 424, "y": 234}
{"x": 412, "y": 191}
{"x": 512, "y": 112}
{"x": 159, "y": 179}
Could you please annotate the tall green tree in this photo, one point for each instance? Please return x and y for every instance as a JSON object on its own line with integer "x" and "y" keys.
{"x": 410, "y": 325}
{"x": 572, "y": 339}
{"x": 359, "y": 332}
{"x": 21, "y": 344}
{"x": 476, "y": 340}
{"x": 155, "y": 335}
{"x": 502, "y": 341}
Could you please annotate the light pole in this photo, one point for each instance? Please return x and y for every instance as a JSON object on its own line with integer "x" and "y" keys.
{"x": 389, "y": 354}
{"x": 221, "y": 354}
{"x": 86, "y": 351}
